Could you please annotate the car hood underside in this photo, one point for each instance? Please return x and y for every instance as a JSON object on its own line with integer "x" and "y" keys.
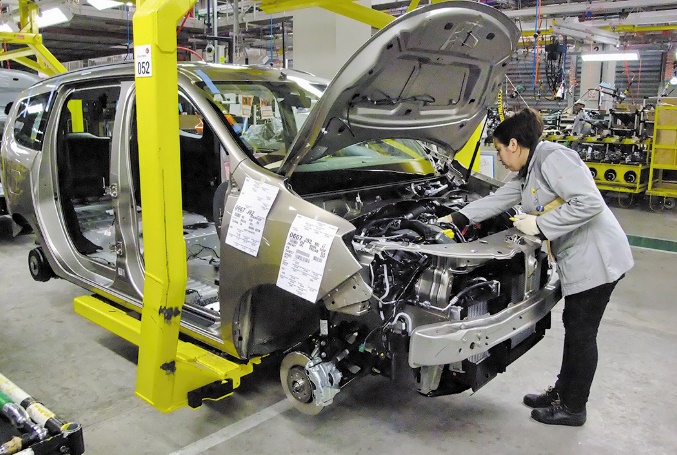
{"x": 429, "y": 75}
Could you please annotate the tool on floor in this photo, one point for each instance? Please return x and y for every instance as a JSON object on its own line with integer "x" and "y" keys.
{"x": 41, "y": 431}
{"x": 19, "y": 418}
{"x": 37, "y": 411}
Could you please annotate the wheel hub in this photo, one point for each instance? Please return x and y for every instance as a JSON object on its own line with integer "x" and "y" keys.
{"x": 299, "y": 385}
{"x": 33, "y": 265}
{"x": 296, "y": 384}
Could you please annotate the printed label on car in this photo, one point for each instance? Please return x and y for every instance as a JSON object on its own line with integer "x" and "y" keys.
{"x": 249, "y": 216}
{"x": 305, "y": 255}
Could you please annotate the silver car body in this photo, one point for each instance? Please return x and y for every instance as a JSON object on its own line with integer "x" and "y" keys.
{"x": 429, "y": 76}
{"x": 12, "y": 83}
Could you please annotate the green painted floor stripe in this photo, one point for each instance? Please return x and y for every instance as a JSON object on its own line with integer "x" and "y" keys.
{"x": 654, "y": 244}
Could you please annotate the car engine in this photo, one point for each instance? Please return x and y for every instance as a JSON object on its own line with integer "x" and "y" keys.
{"x": 421, "y": 273}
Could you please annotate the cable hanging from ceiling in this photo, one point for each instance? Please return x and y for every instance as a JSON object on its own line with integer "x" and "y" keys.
{"x": 555, "y": 63}
{"x": 537, "y": 33}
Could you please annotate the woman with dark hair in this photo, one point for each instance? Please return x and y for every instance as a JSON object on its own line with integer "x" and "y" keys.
{"x": 562, "y": 205}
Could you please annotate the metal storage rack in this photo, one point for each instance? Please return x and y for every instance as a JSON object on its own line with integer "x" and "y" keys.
{"x": 620, "y": 176}
{"x": 663, "y": 170}
{"x": 628, "y": 177}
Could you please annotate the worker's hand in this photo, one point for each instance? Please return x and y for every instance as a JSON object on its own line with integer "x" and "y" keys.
{"x": 527, "y": 224}
{"x": 456, "y": 218}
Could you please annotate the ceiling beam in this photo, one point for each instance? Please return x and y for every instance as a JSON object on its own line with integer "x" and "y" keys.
{"x": 568, "y": 9}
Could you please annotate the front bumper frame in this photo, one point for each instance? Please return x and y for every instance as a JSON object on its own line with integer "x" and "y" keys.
{"x": 449, "y": 342}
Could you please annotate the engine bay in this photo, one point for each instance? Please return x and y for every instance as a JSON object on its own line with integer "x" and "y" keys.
{"x": 422, "y": 272}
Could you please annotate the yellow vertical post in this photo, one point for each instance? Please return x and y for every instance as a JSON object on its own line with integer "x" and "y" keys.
{"x": 28, "y": 13}
{"x": 77, "y": 121}
{"x": 464, "y": 156}
{"x": 164, "y": 248}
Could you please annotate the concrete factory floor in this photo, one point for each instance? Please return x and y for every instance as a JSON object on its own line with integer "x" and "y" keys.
{"x": 88, "y": 375}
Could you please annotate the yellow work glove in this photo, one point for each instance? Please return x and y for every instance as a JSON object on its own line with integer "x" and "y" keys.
{"x": 527, "y": 224}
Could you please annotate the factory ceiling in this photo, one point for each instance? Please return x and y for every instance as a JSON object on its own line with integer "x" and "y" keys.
{"x": 92, "y": 33}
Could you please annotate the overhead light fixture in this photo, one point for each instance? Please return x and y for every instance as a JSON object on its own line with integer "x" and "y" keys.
{"x": 53, "y": 16}
{"x": 104, "y": 4}
{"x": 610, "y": 56}
{"x": 640, "y": 18}
{"x": 584, "y": 32}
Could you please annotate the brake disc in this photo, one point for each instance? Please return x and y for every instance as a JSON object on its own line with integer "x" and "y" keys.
{"x": 296, "y": 384}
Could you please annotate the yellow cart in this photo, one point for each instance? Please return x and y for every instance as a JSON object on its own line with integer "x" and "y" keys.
{"x": 662, "y": 189}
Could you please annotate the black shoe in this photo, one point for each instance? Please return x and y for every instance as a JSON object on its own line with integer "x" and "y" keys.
{"x": 558, "y": 414}
{"x": 543, "y": 400}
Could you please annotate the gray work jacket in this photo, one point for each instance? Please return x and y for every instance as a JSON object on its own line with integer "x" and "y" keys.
{"x": 587, "y": 242}
{"x": 582, "y": 124}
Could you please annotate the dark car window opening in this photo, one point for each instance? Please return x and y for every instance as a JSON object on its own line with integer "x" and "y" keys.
{"x": 266, "y": 116}
{"x": 31, "y": 120}
{"x": 371, "y": 163}
{"x": 83, "y": 155}
{"x": 403, "y": 155}
{"x": 202, "y": 160}
{"x": 203, "y": 169}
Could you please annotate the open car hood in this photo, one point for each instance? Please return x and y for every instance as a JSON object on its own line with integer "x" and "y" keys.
{"x": 429, "y": 75}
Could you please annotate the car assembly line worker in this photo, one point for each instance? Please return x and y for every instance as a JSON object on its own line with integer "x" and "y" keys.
{"x": 582, "y": 122}
{"x": 563, "y": 205}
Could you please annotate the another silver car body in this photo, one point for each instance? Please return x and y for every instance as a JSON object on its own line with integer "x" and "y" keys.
{"x": 12, "y": 82}
{"x": 404, "y": 293}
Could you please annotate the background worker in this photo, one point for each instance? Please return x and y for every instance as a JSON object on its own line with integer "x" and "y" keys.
{"x": 582, "y": 122}
{"x": 590, "y": 248}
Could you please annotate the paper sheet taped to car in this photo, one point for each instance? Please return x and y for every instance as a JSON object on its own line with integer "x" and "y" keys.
{"x": 304, "y": 257}
{"x": 249, "y": 216}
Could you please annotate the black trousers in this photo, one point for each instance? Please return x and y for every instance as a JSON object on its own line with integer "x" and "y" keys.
{"x": 582, "y": 315}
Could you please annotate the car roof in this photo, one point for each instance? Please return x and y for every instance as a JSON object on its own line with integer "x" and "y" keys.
{"x": 192, "y": 71}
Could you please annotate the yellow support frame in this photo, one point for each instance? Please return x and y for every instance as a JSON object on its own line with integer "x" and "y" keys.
{"x": 30, "y": 37}
{"x": 171, "y": 373}
{"x": 164, "y": 247}
{"x": 195, "y": 367}
{"x": 168, "y": 369}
